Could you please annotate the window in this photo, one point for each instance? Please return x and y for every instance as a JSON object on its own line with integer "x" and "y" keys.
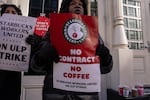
{"x": 133, "y": 23}
{"x": 36, "y": 7}
{"x": 125, "y": 22}
{"x": 125, "y": 11}
{"x": 94, "y": 8}
{"x": 124, "y": 1}
{"x": 132, "y": 11}
{"x": 132, "y": 2}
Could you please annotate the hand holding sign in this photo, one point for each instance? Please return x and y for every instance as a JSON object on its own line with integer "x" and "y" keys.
{"x": 78, "y": 69}
{"x": 14, "y": 51}
{"x": 48, "y": 53}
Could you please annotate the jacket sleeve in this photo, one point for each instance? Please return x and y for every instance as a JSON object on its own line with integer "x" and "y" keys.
{"x": 38, "y": 64}
{"x": 45, "y": 56}
{"x": 35, "y": 66}
{"x": 106, "y": 61}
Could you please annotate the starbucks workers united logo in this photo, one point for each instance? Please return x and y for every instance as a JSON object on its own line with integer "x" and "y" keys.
{"x": 75, "y": 31}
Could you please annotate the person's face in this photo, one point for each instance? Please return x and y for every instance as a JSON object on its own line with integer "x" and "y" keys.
{"x": 10, "y": 10}
{"x": 76, "y": 6}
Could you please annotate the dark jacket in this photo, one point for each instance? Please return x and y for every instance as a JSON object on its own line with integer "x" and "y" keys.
{"x": 10, "y": 85}
{"x": 10, "y": 81}
{"x": 40, "y": 62}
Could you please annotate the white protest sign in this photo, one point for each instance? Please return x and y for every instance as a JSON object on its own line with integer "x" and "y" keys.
{"x": 77, "y": 77}
{"x": 14, "y": 51}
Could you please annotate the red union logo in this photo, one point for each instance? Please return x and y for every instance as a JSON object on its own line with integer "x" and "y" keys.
{"x": 75, "y": 31}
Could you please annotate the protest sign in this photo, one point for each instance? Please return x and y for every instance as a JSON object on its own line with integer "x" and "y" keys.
{"x": 75, "y": 37}
{"x": 42, "y": 25}
{"x": 14, "y": 51}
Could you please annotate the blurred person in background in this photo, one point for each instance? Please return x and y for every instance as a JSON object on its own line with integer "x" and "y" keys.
{"x": 10, "y": 81}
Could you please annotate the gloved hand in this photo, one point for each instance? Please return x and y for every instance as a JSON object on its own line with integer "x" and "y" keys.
{"x": 48, "y": 53}
{"x": 33, "y": 39}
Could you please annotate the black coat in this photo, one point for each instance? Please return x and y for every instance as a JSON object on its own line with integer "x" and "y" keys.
{"x": 40, "y": 62}
{"x": 10, "y": 85}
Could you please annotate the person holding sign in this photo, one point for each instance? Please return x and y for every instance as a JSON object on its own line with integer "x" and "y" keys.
{"x": 10, "y": 81}
{"x": 78, "y": 80}
{"x": 11, "y": 9}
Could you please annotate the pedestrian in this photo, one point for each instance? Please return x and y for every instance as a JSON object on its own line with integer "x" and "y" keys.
{"x": 47, "y": 54}
{"x": 10, "y": 81}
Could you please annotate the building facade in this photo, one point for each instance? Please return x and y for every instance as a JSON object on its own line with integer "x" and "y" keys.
{"x": 124, "y": 27}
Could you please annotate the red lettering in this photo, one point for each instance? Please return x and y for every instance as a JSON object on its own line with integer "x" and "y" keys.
{"x": 74, "y": 75}
{"x": 77, "y": 76}
{"x": 73, "y": 68}
{"x": 70, "y": 75}
{"x": 65, "y": 74}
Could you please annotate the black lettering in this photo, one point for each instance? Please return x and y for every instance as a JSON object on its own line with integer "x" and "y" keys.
{"x": 13, "y": 57}
{"x": 12, "y": 47}
{"x": 17, "y": 57}
{"x": 23, "y": 49}
{"x": 8, "y": 34}
{"x": 1, "y": 54}
{"x": 24, "y": 58}
{"x": 7, "y": 56}
{"x": 3, "y": 46}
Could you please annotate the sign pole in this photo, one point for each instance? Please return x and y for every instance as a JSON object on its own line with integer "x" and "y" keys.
{"x": 43, "y": 3}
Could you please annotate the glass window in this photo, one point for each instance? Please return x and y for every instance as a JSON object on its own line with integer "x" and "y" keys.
{"x": 132, "y": 2}
{"x": 125, "y": 11}
{"x": 35, "y": 7}
{"x": 139, "y": 24}
{"x": 136, "y": 35}
{"x": 131, "y": 11}
{"x": 94, "y": 8}
{"x": 35, "y": 4}
{"x": 134, "y": 45}
{"x": 133, "y": 23}
{"x": 125, "y": 22}
{"x": 138, "y": 12}
{"x": 141, "y": 35}
{"x": 125, "y": 1}
{"x": 127, "y": 34}
{"x": 132, "y": 35}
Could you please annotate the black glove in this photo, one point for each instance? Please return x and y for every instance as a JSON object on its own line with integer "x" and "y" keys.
{"x": 33, "y": 39}
{"x": 48, "y": 53}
